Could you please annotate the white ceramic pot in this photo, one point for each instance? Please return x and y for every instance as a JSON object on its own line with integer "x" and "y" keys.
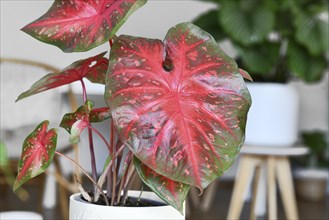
{"x": 273, "y": 116}
{"x": 80, "y": 209}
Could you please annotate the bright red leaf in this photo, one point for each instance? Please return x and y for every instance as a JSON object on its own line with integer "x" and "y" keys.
{"x": 80, "y": 25}
{"x": 174, "y": 193}
{"x": 180, "y": 106}
{"x": 93, "y": 68}
{"x": 38, "y": 152}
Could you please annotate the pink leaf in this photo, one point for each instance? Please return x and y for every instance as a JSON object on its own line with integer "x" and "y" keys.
{"x": 180, "y": 106}
{"x": 38, "y": 152}
{"x": 93, "y": 68}
{"x": 80, "y": 25}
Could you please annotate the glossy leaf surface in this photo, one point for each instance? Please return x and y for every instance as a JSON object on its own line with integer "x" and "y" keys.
{"x": 37, "y": 154}
{"x": 93, "y": 68}
{"x": 180, "y": 106}
{"x": 174, "y": 193}
{"x": 80, "y": 25}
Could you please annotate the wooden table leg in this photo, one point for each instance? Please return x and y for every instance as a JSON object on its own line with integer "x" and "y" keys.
{"x": 283, "y": 173}
{"x": 246, "y": 169}
{"x": 271, "y": 188}
{"x": 254, "y": 192}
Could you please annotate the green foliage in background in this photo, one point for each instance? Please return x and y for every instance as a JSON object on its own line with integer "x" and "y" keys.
{"x": 274, "y": 40}
{"x": 318, "y": 144}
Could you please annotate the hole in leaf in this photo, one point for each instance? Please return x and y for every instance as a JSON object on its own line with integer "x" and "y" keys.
{"x": 167, "y": 64}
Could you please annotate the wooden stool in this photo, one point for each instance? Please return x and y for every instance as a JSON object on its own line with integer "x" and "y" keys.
{"x": 275, "y": 160}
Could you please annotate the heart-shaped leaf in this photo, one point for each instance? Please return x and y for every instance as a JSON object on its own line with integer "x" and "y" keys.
{"x": 174, "y": 193}
{"x": 93, "y": 68}
{"x": 180, "y": 106}
{"x": 38, "y": 152}
{"x": 80, "y": 25}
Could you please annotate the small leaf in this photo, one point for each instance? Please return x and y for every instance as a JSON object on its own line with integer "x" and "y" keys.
{"x": 79, "y": 25}
{"x": 87, "y": 113}
{"x": 245, "y": 75}
{"x": 38, "y": 152}
{"x": 76, "y": 130}
{"x": 82, "y": 113}
{"x": 93, "y": 68}
{"x": 174, "y": 193}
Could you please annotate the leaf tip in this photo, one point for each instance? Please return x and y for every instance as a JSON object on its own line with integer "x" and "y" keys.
{"x": 245, "y": 75}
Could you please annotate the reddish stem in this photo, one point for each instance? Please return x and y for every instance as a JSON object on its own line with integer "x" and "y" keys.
{"x": 84, "y": 91}
{"x": 111, "y": 42}
{"x": 114, "y": 169}
{"x": 90, "y": 138}
{"x": 101, "y": 136}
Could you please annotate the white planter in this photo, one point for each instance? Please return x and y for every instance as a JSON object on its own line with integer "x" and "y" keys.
{"x": 311, "y": 184}
{"x": 80, "y": 209}
{"x": 273, "y": 116}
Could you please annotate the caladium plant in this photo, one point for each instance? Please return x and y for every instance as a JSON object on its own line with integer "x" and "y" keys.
{"x": 178, "y": 107}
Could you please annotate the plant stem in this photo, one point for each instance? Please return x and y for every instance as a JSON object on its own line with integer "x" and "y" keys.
{"x": 87, "y": 175}
{"x": 114, "y": 176}
{"x": 111, "y": 42}
{"x": 124, "y": 180}
{"x": 101, "y": 136}
{"x": 131, "y": 177}
{"x": 91, "y": 142}
{"x": 110, "y": 173}
{"x": 92, "y": 155}
{"x": 84, "y": 91}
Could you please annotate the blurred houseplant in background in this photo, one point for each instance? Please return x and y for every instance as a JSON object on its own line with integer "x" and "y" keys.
{"x": 312, "y": 173}
{"x": 276, "y": 42}
{"x": 7, "y": 175}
